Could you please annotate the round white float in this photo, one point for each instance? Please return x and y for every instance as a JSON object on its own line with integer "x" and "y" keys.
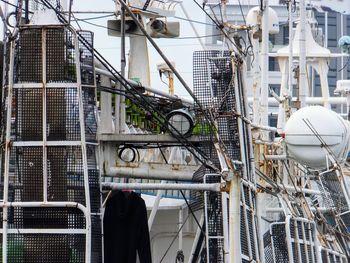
{"x": 303, "y": 143}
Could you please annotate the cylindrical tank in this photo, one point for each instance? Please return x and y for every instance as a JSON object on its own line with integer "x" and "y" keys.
{"x": 309, "y": 129}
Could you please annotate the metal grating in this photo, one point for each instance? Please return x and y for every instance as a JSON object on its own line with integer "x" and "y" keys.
{"x": 332, "y": 192}
{"x": 279, "y": 242}
{"x": 56, "y": 114}
{"x": 47, "y": 56}
{"x": 28, "y": 58}
{"x": 90, "y": 111}
{"x": 86, "y": 58}
{"x": 60, "y": 55}
{"x": 28, "y": 103}
{"x": 42, "y": 248}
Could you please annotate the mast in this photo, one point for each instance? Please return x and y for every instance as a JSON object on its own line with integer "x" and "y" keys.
{"x": 264, "y": 67}
{"x": 302, "y": 55}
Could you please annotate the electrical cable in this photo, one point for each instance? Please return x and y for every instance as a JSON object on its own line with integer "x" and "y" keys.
{"x": 193, "y": 21}
{"x": 220, "y": 27}
{"x": 188, "y": 145}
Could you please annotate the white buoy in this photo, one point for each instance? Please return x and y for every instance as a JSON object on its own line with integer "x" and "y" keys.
{"x": 305, "y": 143}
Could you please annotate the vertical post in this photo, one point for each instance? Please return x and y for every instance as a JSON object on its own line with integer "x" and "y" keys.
{"x": 290, "y": 54}
{"x": 120, "y": 100}
{"x": 302, "y": 55}
{"x": 44, "y": 117}
{"x": 234, "y": 220}
{"x": 342, "y": 57}
{"x": 256, "y": 80}
{"x": 84, "y": 155}
{"x": 264, "y": 67}
{"x": 7, "y": 154}
{"x": 325, "y": 44}
{"x": 196, "y": 240}
{"x": 171, "y": 83}
{"x": 155, "y": 207}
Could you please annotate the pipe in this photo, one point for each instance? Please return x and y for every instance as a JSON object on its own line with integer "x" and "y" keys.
{"x": 275, "y": 157}
{"x": 280, "y": 209}
{"x": 215, "y": 187}
{"x": 298, "y": 189}
{"x": 264, "y": 67}
{"x": 149, "y": 173}
{"x": 120, "y": 100}
{"x": 234, "y": 220}
{"x": 309, "y": 100}
{"x": 302, "y": 56}
{"x": 290, "y": 54}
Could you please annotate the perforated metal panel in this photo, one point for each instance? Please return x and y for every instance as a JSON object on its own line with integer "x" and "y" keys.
{"x": 213, "y": 80}
{"x": 52, "y": 174}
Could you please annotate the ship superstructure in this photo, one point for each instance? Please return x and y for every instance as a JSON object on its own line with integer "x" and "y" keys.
{"x": 75, "y": 131}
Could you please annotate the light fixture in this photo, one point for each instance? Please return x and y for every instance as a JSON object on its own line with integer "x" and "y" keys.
{"x": 180, "y": 121}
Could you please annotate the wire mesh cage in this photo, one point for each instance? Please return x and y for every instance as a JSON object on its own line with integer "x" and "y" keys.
{"x": 50, "y": 173}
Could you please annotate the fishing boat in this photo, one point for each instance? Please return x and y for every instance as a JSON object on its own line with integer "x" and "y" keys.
{"x": 97, "y": 165}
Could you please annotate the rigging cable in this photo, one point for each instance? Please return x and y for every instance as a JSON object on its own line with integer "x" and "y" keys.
{"x": 142, "y": 101}
{"x": 220, "y": 27}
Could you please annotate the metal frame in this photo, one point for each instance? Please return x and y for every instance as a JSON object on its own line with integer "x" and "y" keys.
{"x": 44, "y": 143}
{"x": 298, "y": 241}
{"x": 207, "y": 237}
{"x": 83, "y": 147}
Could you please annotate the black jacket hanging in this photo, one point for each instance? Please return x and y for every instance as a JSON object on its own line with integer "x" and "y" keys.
{"x": 126, "y": 229}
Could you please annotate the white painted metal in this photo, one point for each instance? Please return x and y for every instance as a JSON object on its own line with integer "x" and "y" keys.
{"x": 106, "y": 123}
{"x": 302, "y": 55}
{"x": 196, "y": 238}
{"x": 309, "y": 101}
{"x": 154, "y": 171}
{"x": 83, "y": 149}
{"x": 45, "y": 231}
{"x": 234, "y": 220}
{"x": 290, "y": 54}
{"x": 305, "y": 146}
{"x": 159, "y": 186}
{"x": 147, "y": 88}
{"x": 155, "y": 207}
{"x": 44, "y": 117}
{"x": 264, "y": 66}
{"x": 48, "y": 143}
{"x": 7, "y": 153}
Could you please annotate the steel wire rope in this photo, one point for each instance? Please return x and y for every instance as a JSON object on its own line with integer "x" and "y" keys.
{"x": 173, "y": 240}
{"x": 186, "y": 201}
{"x": 219, "y": 26}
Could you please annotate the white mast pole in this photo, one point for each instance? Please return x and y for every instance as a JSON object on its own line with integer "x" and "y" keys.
{"x": 290, "y": 58}
{"x": 302, "y": 55}
{"x": 264, "y": 67}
